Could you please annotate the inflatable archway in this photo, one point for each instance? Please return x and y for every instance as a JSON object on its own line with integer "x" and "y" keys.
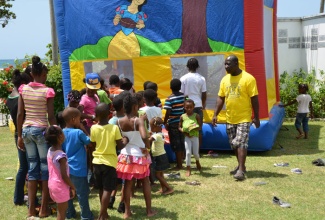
{"x": 152, "y": 40}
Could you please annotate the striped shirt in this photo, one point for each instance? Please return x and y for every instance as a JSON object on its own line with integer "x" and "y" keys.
{"x": 175, "y": 103}
{"x": 35, "y": 97}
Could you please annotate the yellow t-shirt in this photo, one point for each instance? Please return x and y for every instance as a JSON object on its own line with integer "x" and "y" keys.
{"x": 105, "y": 138}
{"x": 157, "y": 147}
{"x": 238, "y": 91}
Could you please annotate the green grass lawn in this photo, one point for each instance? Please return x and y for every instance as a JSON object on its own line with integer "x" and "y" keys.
{"x": 219, "y": 196}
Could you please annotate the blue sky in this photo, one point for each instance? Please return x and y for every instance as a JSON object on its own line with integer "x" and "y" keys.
{"x": 30, "y": 32}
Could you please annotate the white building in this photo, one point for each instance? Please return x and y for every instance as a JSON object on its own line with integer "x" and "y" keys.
{"x": 301, "y": 43}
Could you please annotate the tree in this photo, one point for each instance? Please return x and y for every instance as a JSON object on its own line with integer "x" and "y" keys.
{"x": 321, "y": 8}
{"x": 194, "y": 28}
{"x": 5, "y": 13}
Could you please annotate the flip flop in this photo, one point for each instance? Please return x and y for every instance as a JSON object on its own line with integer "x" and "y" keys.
{"x": 193, "y": 183}
{"x": 300, "y": 136}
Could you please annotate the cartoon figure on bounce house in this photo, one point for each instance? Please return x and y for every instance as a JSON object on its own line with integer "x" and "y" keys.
{"x": 125, "y": 43}
{"x": 153, "y": 40}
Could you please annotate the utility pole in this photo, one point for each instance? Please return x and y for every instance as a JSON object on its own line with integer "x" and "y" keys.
{"x": 321, "y": 8}
{"x": 54, "y": 37}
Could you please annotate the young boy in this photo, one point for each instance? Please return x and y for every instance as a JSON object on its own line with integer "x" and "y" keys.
{"x": 118, "y": 106}
{"x": 154, "y": 86}
{"x": 174, "y": 106}
{"x": 150, "y": 109}
{"x": 104, "y": 138}
{"x": 74, "y": 147}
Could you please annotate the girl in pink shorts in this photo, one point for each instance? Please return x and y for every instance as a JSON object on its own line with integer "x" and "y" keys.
{"x": 60, "y": 186}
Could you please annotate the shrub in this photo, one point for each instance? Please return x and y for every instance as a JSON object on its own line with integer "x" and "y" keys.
{"x": 54, "y": 80}
{"x": 289, "y": 91}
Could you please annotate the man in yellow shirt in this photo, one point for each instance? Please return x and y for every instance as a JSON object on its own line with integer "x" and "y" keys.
{"x": 238, "y": 90}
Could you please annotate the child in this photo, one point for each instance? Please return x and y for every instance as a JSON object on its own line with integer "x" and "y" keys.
{"x": 30, "y": 132}
{"x": 60, "y": 186}
{"x": 304, "y": 105}
{"x": 134, "y": 159}
{"x": 150, "y": 109}
{"x": 90, "y": 100}
{"x": 118, "y": 106}
{"x": 160, "y": 159}
{"x": 74, "y": 97}
{"x": 189, "y": 124}
{"x": 104, "y": 137}
{"x": 102, "y": 93}
{"x": 74, "y": 147}
{"x": 154, "y": 86}
{"x": 126, "y": 85}
{"x": 114, "y": 83}
{"x": 12, "y": 103}
{"x": 174, "y": 106}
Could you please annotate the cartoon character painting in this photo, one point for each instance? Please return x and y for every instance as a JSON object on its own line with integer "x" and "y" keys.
{"x": 125, "y": 43}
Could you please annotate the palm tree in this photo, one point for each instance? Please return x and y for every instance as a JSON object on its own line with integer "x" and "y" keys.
{"x": 321, "y": 8}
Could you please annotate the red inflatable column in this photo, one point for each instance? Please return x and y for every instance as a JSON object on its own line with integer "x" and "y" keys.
{"x": 254, "y": 49}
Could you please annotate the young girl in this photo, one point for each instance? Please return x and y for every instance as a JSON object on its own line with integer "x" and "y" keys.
{"x": 12, "y": 104}
{"x": 60, "y": 185}
{"x": 30, "y": 132}
{"x": 160, "y": 159}
{"x": 134, "y": 159}
{"x": 304, "y": 105}
{"x": 190, "y": 125}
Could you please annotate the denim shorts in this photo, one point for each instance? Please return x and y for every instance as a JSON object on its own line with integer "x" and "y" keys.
{"x": 36, "y": 149}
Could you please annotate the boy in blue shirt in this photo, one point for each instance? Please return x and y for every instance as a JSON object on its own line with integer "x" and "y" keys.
{"x": 74, "y": 147}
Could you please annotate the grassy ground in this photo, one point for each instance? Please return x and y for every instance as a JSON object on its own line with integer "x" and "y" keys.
{"x": 219, "y": 196}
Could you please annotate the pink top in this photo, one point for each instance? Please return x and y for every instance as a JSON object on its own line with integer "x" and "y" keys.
{"x": 35, "y": 97}
{"x": 89, "y": 104}
{"x": 55, "y": 177}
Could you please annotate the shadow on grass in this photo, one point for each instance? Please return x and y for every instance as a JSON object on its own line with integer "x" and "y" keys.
{"x": 139, "y": 212}
{"x": 264, "y": 174}
{"x": 155, "y": 194}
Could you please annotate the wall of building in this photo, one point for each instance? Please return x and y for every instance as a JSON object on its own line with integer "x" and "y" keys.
{"x": 301, "y": 43}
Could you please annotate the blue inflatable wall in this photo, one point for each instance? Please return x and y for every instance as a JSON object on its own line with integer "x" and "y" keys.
{"x": 261, "y": 139}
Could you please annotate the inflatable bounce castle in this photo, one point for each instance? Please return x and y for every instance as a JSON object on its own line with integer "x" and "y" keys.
{"x": 152, "y": 40}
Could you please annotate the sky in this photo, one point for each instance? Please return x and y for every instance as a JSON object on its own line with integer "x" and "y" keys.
{"x": 30, "y": 32}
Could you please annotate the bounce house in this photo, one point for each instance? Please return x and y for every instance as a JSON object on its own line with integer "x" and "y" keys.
{"x": 152, "y": 40}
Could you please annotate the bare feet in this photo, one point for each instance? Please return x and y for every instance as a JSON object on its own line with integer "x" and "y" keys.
{"x": 151, "y": 213}
{"x": 127, "y": 215}
{"x": 188, "y": 173}
{"x": 176, "y": 168}
{"x": 105, "y": 217}
{"x": 168, "y": 191}
{"x": 300, "y": 135}
{"x": 198, "y": 165}
{"x": 46, "y": 213}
